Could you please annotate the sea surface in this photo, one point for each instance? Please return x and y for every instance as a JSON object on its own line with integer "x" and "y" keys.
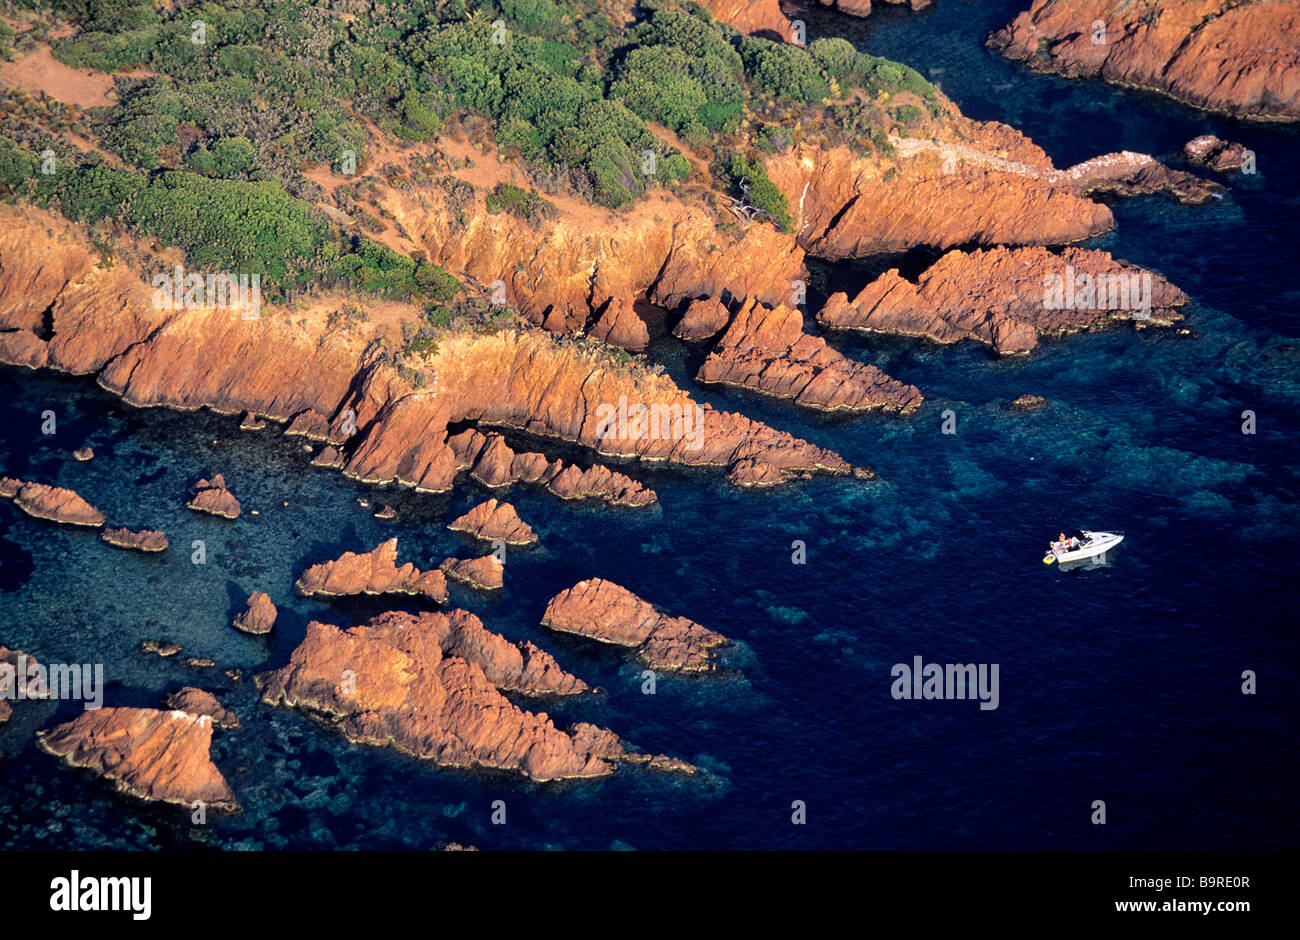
{"x": 1120, "y": 682}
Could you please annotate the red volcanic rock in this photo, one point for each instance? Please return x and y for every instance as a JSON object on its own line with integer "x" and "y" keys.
{"x": 155, "y": 755}
{"x": 768, "y": 351}
{"x": 198, "y": 702}
{"x": 704, "y": 319}
{"x": 375, "y": 572}
{"x": 492, "y": 462}
{"x": 386, "y": 512}
{"x": 619, "y": 325}
{"x": 1219, "y": 155}
{"x": 251, "y": 422}
{"x": 18, "y": 671}
{"x": 494, "y": 520}
{"x": 21, "y": 348}
{"x": 142, "y": 540}
{"x": 1242, "y": 58}
{"x": 309, "y": 424}
{"x": 259, "y": 616}
{"x": 754, "y": 16}
{"x": 212, "y": 497}
{"x": 604, "y": 611}
{"x": 1003, "y": 297}
{"x": 607, "y": 745}
{"x": 1135, "y": 174}
{"x": 51, "y": 503}
{"x": 485, "y": 572}
{"x": 329, "y": 457}
{"x": 429, "y": 685}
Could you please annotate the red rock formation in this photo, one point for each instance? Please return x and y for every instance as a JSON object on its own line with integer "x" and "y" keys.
{"x": 251, "y": 422}
{"x": 278, "y": 367}
{"x": 161, "y": 648}
{"x": 374, "y": 572}
{"x": 329, "y": 457}
{"x": 619, "y": 325}
{"x": 310, "y": 425}
{"x": 755, "y": 16}
{"x": 606, "y": 745}
{"x": 1219, "y": 155}
{"x": 259, "y": 616}
{"x": 429, "y": 686}
{"x": 768, "y": 351}
{"x": 198, "y": 702}
{"x": 1242, "y": 58}
{"x": 1004, "y": 297}
{"x": 704, "y": 319}
{"x": 141, "y": 540}
{"x": 609, "y": 613}
{"x": 83, "y": 454}
{"x": 212, "y": 497}
{"x": 493, "y": 520}
{"x": 492, "y": 462}
{"x": 485, "y": 572}
{"x": 51, "y": 503}
{"x": 19, "y": 678}
{"x": 155, "y": 755}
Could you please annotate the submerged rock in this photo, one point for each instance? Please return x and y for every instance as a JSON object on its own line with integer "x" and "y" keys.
{"x": 163, "y": 648}
{"x": 212, "y": 497}
{"x": 1028, "y": 403}
{"x": 259, "y": 616}
{"x": 373, "y": 572}
{"x": 83, "y": 454}
{"x": 485, "y": 573}
{"x": 140, "y": 540}
{"x": 430, "y": 684}
{"x": 493, "y": 520}
{"x": 160, "y": 756}
{"x": 51, "y": 503}
{"x": 602, "y": 610}
{"x": 16, "y": 673}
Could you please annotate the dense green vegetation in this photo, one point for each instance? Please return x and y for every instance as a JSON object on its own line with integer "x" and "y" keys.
{"x": 240, "y": 96}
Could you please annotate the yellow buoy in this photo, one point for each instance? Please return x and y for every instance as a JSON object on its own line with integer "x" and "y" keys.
{"x": 1048, "y": 559}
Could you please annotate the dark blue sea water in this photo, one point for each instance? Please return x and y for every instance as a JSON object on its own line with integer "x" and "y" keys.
{"x": 1119, "y": 683}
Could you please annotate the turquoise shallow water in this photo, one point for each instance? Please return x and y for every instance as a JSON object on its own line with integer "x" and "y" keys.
{"x": 1118, "y": 683}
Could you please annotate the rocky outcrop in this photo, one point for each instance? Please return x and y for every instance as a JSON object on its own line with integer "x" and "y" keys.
{"x": 20, "y": 678}
{"x": 755, "y": 16}
{"x": 1219, "y": 155}
{"x": 602, "y": 610}
{"x": 1222, "y": 55}
{"x": 161, "y": 756}
{"x": 1028, "y": 402}
{"x": 329, "y": 457}
{"x": 52, "y": 503}
{"x": 198, "y": 702}
{"x": 704, "y": 319}
{"x": 768, "y": 351}
{"x": 163, "y": 648}
{"x": 1135, "y": 174}
{"x": 493, "y": 520}
{"x": 1008, "y": 298}
{"x": 283, "y": 367}
{"x": 212, "y": 497}
{"x": 140, "y": 540}
{"x": 618, "y": 324}
{"x": 373, "y": 572}
{"x": 430, "y": 685}
{"x": 258, "y": 617}
{"x": 83, "y": 454}
{"x": 251, "y": 422}
{"x": 485, "y": 573}
{"x": 492, "y": 463}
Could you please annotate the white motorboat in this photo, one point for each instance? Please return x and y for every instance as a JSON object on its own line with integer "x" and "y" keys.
{"x": 1083, "y": 544}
